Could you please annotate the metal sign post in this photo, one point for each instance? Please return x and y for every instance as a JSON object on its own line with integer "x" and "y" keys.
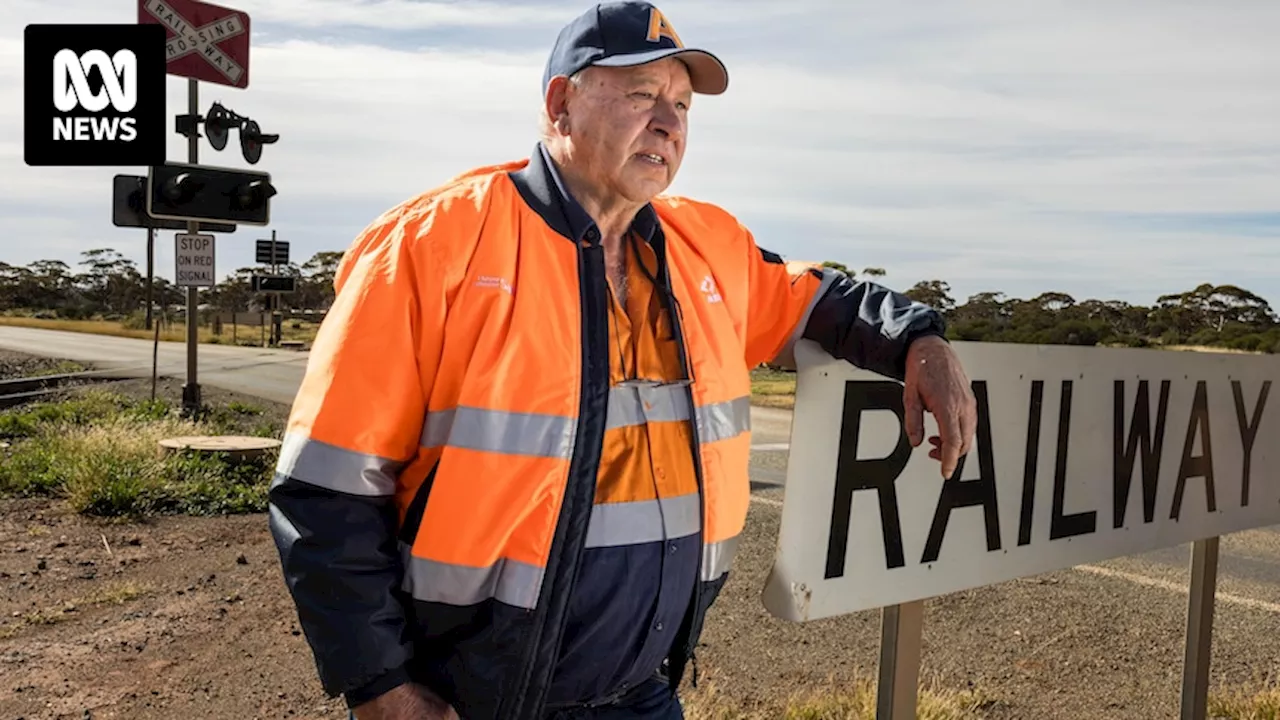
{"x": 211, "y": 43}
{"x": 901, "y": 628}
{"x": 151, "y": 271}
{"x": 1199, "y": 650}
{"x": 191, "y": 401}
{"x": 275, "y": 253}
{"x": 275, "y": 297}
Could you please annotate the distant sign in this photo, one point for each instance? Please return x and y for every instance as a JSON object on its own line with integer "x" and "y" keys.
{"x": 274, "y": 283}
{"x": 1081, "y": 455}
{"x": 194, "y": 260}
{"x": 272, "y": 252}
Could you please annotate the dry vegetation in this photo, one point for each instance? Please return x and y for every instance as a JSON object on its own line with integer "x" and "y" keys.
{"x": 1245, "y": 704}
{"x": 833, "y": 702}
{"x": 246, "y": 335}
{"x": 773, "y": 388}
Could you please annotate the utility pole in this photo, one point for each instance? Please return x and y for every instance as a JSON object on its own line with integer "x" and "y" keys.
{"x": 151, "y": 262}
{"x": 275, "y": 297}
{"x": 191, "y": 391}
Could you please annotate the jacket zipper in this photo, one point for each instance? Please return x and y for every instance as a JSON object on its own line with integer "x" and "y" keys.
{"x": 677, "y": 323}
{"x": 677, "y": 327}
{"x": 527, "y": 703}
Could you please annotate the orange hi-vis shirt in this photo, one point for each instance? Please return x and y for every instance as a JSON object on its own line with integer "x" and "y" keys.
{"x": 641, "y": 559}
{"x": 646, "y": 444}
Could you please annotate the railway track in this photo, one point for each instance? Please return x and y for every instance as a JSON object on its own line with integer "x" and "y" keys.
{"x": 17, "y": 391}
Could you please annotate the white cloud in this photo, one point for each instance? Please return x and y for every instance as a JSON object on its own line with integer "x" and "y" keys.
{"x": 426, "y": 14}
{"x": 397, "y": 14}
{"x": 996, "y": 145}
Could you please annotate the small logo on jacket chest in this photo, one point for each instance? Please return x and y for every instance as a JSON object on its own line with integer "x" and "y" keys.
{"x": 495, "y": 282}
{"x": 710, "y": 290}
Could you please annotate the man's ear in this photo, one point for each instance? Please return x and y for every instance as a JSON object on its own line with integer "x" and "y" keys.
{"x": 557, "y": 102}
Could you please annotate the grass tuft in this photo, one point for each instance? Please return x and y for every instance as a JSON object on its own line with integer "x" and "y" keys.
{"x": 100, "y": 452}
{"x": 1252, "y": 703}
{"x": 773, "y": 388}
{"x": 834, "y": 702}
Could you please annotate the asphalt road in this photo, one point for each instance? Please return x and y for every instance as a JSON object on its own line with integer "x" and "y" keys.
{"x": 1249, "y": 562}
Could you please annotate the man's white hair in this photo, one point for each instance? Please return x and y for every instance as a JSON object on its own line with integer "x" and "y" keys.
{"x": 546, "y": 123}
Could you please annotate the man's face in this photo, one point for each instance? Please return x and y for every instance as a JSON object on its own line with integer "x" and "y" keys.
{"x": 627, "y": 127}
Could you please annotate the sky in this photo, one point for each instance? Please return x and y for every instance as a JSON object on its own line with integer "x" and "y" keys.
{"x": 1102, "y": 149}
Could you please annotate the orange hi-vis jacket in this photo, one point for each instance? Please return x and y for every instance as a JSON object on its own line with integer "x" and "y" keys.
{"x": 433, "y": 498}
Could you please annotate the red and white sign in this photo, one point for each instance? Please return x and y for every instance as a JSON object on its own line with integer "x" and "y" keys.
{"x": 206, "y": 42}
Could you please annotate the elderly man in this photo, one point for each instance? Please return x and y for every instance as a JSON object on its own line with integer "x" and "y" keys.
{"x": 516, "y": 468}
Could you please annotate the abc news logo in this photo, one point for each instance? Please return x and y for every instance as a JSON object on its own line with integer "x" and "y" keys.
{"x": 95, "y": 95}
{"x": 71, "y": 91}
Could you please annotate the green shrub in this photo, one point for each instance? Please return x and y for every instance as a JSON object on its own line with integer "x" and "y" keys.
{"x": 100, "y": 452}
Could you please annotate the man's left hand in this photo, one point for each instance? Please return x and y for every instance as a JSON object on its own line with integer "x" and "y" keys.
{"x": 935, "y": 381}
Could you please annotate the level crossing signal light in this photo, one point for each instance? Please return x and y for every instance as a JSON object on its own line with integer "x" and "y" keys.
{"x": 219, "y": 123}
{"x": 183, "y": 191}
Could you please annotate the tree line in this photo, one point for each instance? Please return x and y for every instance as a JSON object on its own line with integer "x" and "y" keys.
{"x": 1225, "y": 316}
{"x": 105, "y": 284}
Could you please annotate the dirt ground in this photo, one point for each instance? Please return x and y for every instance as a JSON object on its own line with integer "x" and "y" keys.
{"x": 189, "y": 617}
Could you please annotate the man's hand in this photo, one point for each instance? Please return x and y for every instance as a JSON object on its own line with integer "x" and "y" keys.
{"x": 935, "y": 381}
{"x": 406, "y": 702}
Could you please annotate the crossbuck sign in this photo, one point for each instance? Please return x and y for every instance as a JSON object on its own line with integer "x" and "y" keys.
{"x": 205, "y": 41}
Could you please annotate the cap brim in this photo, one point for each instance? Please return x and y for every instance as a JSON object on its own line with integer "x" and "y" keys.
{"x": 706, "y": 73}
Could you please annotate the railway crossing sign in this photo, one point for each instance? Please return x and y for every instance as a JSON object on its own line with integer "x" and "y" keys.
{"x": 205, "y": 41}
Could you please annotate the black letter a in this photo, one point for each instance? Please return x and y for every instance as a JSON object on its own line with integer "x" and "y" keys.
{"x": 957, "y": 493}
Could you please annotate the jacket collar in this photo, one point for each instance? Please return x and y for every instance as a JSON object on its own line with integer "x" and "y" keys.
{"x": 542, "y": 187}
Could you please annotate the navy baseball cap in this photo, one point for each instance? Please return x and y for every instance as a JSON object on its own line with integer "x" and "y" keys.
{"x": 621, "y": 34}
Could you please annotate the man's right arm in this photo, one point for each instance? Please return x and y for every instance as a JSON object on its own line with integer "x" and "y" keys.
{"x": 355, "y": 425}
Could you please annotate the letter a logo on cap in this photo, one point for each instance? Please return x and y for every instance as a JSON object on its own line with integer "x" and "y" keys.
{"x": 660, "y": 28}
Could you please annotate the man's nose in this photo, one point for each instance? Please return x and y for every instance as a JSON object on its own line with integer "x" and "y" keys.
{"x": 667, "y": 121}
